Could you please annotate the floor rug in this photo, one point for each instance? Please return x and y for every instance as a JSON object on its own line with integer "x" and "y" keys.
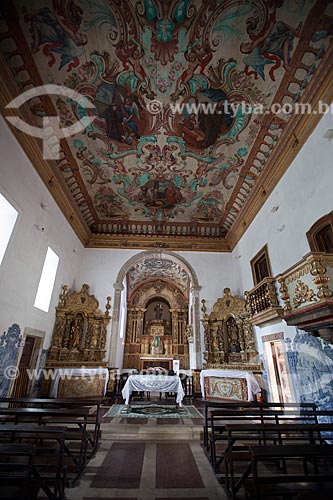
{"x": 153, "y": 411}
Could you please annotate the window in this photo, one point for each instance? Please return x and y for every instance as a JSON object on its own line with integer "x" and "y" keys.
{"x": 8, "y": 216}
{"x": 260, "y": 265}
{"x": 46, "y": 282}
{"x": 320, "y": 235}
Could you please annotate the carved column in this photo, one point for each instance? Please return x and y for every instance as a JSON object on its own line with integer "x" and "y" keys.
{"x": 182, "y": 322}
{"x": 207, "y": 339}
{"x": 174, "y": 319}
{"x": 131, "y": 326}
{"x": 139, "y": 319}
{"x": 118, "y": 288}
{"x": 221, "y": 336}
{"x": 134, "y": 325}
{"x": 195, "y": 289}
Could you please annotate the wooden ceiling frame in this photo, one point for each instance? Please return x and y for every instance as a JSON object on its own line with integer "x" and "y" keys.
{"x": 293, "y": 137}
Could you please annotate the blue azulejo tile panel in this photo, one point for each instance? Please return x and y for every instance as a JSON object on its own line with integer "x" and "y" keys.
{"x": 10, "y": 343}
{"x": 311, "y": 366}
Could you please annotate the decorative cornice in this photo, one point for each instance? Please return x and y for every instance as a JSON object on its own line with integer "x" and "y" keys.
{"x": 312, "y": 317}
{"x": 149, "y": 242}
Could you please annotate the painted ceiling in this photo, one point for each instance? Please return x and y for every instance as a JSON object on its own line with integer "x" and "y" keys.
{"x": 180, "y": 140}
{"x": 152, "y": 268}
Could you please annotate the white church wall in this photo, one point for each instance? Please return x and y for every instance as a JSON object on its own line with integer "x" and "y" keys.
{"x": 22, "y": 264}
{"x": 215, "y": 272}
{"x": 303, "y": 195}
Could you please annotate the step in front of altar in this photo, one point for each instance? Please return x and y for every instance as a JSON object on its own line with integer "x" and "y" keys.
{"x": 119, "y": 432}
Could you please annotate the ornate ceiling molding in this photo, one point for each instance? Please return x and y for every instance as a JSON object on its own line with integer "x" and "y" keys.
{"x": 140, "y": 180}
{"x": 292, "y": 140}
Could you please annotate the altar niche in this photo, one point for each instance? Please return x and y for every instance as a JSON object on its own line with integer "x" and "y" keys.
{"x": 156, "y": 322}
{"x": 157, "y": 328}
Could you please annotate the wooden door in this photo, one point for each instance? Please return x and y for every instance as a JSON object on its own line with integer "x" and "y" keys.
{"x": 28, "y": 361}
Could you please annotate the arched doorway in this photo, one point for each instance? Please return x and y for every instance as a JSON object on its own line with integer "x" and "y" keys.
{"x": 150, "y": 276}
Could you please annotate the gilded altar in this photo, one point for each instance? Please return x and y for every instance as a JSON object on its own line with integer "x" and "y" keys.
{"x": 157, "y": 316}
{"x": 228, "y": 335}
{"x": 79, "y": 336}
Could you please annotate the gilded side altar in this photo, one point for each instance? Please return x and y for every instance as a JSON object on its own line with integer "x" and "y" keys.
{"x": 229, "y": 337}
{"x": 79, "y": 336}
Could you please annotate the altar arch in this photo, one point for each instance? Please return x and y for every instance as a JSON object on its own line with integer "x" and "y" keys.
{"x": 117, "y": 343}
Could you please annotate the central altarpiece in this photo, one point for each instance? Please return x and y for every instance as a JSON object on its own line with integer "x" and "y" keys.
{"x": 157, "y": 317}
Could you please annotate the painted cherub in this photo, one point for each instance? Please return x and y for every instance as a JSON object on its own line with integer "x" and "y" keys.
{"x": 273, "y": 47}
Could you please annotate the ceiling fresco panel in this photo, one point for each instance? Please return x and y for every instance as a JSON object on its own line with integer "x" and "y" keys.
{"x": 182, "y": 91}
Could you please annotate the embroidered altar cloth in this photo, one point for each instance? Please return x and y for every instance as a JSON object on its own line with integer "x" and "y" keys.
{"x": 79, "y": 382}
{"x": 229, "y": 384}
{"x": 153, "y": 383}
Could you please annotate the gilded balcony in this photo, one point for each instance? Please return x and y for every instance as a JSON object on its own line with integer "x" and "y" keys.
{"x": 306, "y": 290}
{"x": 262, "y": 302}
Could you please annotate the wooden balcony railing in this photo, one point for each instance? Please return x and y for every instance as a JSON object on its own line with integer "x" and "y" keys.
{"x": 305, "y": 295}
{"x": 262, "y": 302}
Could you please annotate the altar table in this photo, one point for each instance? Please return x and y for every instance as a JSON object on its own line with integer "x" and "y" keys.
{"x": 153, "y": 383}
{"x": 79, "y": 382}
{"x": 229, "y": 384}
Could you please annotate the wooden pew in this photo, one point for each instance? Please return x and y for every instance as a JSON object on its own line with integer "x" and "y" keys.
{"x": 219, "y": 419}
{"x": 94, "y": 402}
{"x": 270, "y": 434}
{"x": 16, "y": 471}
{"x": 75, "y": 418}
{"x": 52, "y": 476}
{"x": 227, "y": 404}
{"x": 271, "y": 484}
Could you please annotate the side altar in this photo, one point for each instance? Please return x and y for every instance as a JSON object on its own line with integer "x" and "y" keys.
{"x": 231, "y": 369}
{"x": 77, "y": 351}
{"x": 79, "y": 335}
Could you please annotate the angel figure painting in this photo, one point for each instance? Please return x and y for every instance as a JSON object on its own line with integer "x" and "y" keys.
{"x": 122, "y": 114}
{"x": 214, "y": 118}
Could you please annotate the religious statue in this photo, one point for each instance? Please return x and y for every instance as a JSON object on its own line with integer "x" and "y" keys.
{"x": 232, "y": 329}
{"x": 95, "y": 337}
{"x": 76, "y": 333}
{"x": 157, "y": 345}
{"x": 158, "y": 311}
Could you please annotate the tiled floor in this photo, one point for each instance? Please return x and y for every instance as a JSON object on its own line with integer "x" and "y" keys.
{"x": 149, "y": 459}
